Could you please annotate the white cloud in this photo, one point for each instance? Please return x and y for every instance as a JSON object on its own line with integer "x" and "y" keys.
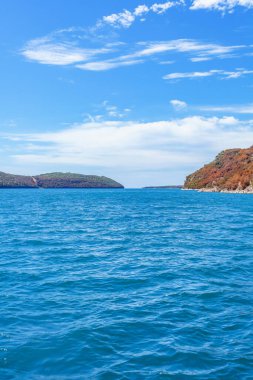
{"x": 126, "y": 18}
{"x": 191, "y": 75}
{"x": 105, "y": 111}
{"x": 163, "y": 7}
{"x": 65, "y": 47}
{"x": 54, "y": 50}
{"x": 234, "y": 109}
{"x": 113, "y": 111}
{"x": 136, "y": 148}
{"x": 178, "y": 105}
{"x": 46, "y": 51}
{"x": 222, "y": 74}
{"x": 122, "y": 19}
{"x": 107, "y": 65}
{"x": 141, "y": 10}
{"x": 204, "y": 50}
{"x": 221, "y": 5}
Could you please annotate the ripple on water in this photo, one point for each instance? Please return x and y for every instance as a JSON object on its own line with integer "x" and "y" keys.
{"x": 126, "y": 285}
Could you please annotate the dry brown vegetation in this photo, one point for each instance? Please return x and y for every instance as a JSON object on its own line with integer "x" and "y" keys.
{"x": 231, "y": 170}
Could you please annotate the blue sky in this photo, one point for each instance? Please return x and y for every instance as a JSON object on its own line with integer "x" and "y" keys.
{"x": 144, "y": 92}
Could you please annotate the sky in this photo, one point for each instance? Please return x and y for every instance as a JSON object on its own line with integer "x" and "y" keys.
{"x": 144, "y": 92}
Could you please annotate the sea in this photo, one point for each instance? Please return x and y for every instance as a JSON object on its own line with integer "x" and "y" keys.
{"x": 125, "y": 284}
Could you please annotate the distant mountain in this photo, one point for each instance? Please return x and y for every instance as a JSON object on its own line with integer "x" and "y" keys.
{"x": 57, "y": 180}
{"x": 232, "y": 170}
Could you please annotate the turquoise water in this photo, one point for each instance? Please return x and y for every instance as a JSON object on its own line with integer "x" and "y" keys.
{"x": 126, "y": 284}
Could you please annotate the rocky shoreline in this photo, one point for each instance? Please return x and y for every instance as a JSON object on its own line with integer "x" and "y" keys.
{"x": 248, "y": 190}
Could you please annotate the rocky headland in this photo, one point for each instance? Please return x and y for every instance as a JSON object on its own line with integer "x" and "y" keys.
{"x": 231, "y": 171}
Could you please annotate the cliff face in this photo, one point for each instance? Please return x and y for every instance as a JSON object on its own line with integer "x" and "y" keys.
{"x": 57, "y": 180}
{"x": 232, "y": 170}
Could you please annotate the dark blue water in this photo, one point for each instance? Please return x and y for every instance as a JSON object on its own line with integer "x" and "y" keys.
{"x": 126, "y": 284}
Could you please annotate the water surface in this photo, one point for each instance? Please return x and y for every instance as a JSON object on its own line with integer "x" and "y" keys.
{"x": 126, "y": 284}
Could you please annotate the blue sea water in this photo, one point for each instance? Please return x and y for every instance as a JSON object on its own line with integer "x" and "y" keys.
{"x": 126, "y": 284}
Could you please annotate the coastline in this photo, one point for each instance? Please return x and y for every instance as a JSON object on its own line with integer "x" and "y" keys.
{"x": 248, "y": 190}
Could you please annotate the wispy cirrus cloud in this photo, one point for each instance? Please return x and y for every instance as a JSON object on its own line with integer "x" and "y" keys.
{"x": 63, "y": 48}
{"x": 221, "y": 74}
{"x": 204, "y": 51}
{"x": 54, "y": 50}
{"x": 51, "y": 51}
{"x": 231, "y": 109}
{"x": 107, "y": 65}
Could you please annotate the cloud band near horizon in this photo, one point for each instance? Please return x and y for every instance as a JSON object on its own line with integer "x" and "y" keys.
{"x": 113, "y": 146}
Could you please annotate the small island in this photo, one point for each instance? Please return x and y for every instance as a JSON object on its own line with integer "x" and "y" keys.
{"x": 164, "y": 187}
{"x": 231, "y": 171}
{"x": 57, "y": 180}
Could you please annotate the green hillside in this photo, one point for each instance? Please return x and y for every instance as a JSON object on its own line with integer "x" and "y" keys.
{"x": 57, "y": 180}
